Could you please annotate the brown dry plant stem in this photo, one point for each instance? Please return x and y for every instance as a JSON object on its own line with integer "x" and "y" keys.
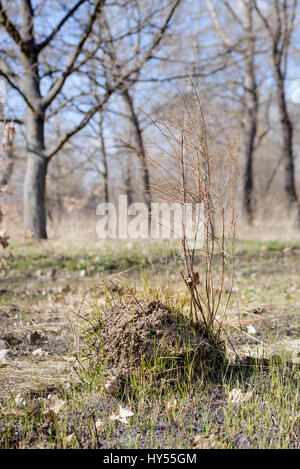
{"x": 191, "y": 169}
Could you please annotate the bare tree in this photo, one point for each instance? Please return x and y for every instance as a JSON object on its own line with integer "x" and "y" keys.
{"x": 26, "y": 65}
{"x": 245, "y": 47}
{"x": 113, "y": 62}
{"x": 26, "y": 51}
{"x": 279, "y": 21}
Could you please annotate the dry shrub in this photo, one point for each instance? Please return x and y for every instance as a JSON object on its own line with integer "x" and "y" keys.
{"x": 190, "y": 171}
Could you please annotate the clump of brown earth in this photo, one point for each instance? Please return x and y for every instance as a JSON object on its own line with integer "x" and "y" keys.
{"x": 130, "y": 333}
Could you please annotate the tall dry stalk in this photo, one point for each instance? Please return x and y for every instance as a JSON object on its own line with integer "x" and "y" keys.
{"x": 189, "y": 172}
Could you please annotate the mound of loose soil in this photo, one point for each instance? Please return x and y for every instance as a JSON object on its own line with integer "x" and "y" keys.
{"x": 130, "y": 333}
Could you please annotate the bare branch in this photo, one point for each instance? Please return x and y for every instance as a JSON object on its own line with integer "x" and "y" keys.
{"x": 231, "y": 10}
{"x": 59, "y": 83}
{"x": 51, "y": 36}
{"x": 117, "y": 86}
{"x": 7, "y": 74}
{"x": 11, "y": 119}
{"x": 9, "y": 26}
{"x": 161, "y": 32}
{"x": 264, "y": 19}
{"x": 223, "y": 36}
{"x": 87, "y": 117}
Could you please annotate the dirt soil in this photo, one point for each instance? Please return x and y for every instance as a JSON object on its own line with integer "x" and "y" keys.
{"x": 130, "y": 332}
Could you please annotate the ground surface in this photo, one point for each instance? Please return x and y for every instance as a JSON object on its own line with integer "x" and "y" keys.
{"x": 47, "y": 283}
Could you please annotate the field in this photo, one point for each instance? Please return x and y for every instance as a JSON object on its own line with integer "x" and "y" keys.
{"x": 51, "y": 396}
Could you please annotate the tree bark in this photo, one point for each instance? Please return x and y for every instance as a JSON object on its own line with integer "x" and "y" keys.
{"x": 251, "y": 105}
{"x": 35, "y": 177}
{"x": 287, "y": 143}
{"x": 34, "y": 209}
{"x": 139, "y": 148}
{"x": 250, "y": 129}
{"x": 128, "y": 182}
{"x": 10, "y": 155}
{"x": 280, "y": 36}
{"x": 250, "y": 101}
{"x": 104, "y": 158}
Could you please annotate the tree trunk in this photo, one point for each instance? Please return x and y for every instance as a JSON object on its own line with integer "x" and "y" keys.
{"x": 250, "y": 128}
{"x": 104, "y": 158}
{"x": 140, "y": 149}
{"x": 10, "y": 155}
{"x": 128, "y": 182}
{"x": 287, "y": 145}
{"x": 251, "y": 104}
{"x": 37, "y": 162}
{"x": 287, "y": 137}
{"x": 35, "y": 177}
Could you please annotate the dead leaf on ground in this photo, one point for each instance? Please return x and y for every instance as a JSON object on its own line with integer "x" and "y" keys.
{"x": 20, "y": 401}
{"x": 260, "y": 309}
{"x": 4, "y": 238}
{"x": 251, "y": 330}
{"x": 171, "y": 406}
{"x": 112, "y": 386}
{"x": 70, "y": 437}
{"x": 39, "y": 353}
{"x": 99, "y": 424}
{"x": 122, "y": 416}
{"x": 13, "y": 413}
{"x": 207, "y": 442}
{"x": 236, "y": 396}
{"x": 53, "y": 405}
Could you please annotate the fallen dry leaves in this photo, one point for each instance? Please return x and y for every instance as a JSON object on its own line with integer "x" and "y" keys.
{"x": 122, "y": 416}
{"x": 207, "y": 442}
{"x": 39, "y": 353}
{"x": 70, "y": 437}
{"x": 112, "y": 386}
{"x": 4, "y": 238}
{"x": 237, "y": 396}
{"x": 53, "y": 405}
